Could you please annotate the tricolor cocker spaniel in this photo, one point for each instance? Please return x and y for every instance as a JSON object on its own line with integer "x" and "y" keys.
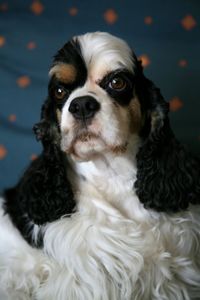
{"x": 110, "y": 209}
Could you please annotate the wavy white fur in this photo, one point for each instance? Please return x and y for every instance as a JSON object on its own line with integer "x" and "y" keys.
{"x": 106, "y": 250}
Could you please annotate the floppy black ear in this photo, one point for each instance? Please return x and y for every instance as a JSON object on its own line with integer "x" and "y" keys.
{"x": 168, "y": 176}
{"x": 44, "y": 193}
{"x": 53, "y": 196}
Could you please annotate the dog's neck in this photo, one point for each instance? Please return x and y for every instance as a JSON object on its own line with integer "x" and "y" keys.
{"x": 109, "y": 179}
{"x": 109, "y": 165}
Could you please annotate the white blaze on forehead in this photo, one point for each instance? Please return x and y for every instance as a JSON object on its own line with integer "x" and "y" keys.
{"x": 104, "y": 52}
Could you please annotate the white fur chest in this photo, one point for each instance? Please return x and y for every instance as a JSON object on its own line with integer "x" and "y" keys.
{"x": 112, "y": 248}
{"x": 100, "y": 247}
{"x": 108, "y": 181}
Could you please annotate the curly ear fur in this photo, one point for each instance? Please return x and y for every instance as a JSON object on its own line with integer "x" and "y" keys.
{"x": 44, "y": 193}
{"x": 168, "y": 176}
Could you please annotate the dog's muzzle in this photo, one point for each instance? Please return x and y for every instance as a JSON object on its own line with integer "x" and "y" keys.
{"x": 84, "y": 107}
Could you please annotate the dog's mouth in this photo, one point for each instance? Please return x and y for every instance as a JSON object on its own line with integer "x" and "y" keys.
{"x": 83, "y": 145}
{"x": 85, "y": 137}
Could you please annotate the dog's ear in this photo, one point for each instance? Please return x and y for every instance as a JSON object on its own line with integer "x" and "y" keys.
{"x": 52, "y": 187}
{"x": 44, "y": 193}
{"x": 168, "y": 177}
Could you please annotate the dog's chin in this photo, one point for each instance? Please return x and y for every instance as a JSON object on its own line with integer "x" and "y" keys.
{"x": 84, "y": 146}
{"x": 87, "y": 150}
{"x": 89, "y": 146}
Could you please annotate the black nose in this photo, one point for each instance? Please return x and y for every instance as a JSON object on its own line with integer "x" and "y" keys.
{"x": 84, "y": 107}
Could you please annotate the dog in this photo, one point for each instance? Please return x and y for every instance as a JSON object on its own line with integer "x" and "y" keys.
{"x": 110, "y": 209}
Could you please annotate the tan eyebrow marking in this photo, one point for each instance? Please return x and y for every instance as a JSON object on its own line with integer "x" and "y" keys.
{"x": 136, "y": 115}
{"x": 58, "y": 113}
{"x": 64, "y": 72}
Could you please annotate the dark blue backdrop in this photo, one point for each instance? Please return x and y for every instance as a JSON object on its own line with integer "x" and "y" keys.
{"x": 165, "y": 34}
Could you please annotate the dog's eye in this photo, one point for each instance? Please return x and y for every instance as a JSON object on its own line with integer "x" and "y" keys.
{"x": 60, "y": 93}
{"x": 117, "y": 83}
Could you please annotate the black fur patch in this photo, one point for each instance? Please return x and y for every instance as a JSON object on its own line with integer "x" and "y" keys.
{"x": 70, "y": 53}
{"x": 43, "y": 194}
{"x": 124, "y": 96}
{"x": 20, "y": 218}
{"x": 168, "y": 175}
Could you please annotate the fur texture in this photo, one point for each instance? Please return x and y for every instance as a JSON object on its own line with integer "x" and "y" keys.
{"x": 110, "y": 209}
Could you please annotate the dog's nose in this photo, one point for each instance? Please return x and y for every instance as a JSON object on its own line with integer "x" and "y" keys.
{"x": 84, "y": 107}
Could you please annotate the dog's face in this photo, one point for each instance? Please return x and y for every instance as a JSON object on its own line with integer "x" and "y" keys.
{"x": 92, "y": 86}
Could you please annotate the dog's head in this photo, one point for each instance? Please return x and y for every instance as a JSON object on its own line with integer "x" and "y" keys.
{"x": 95, "y": 90}
{"x": 99, "y": 100}
{"x": 92, "y": 85}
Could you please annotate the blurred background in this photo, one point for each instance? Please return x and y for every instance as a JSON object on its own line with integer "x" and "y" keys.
{"x": 165, "y": 35}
